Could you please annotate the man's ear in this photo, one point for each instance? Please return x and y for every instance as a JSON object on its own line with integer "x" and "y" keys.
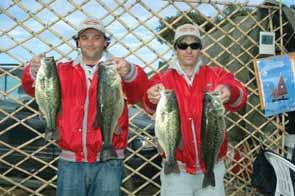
{"x": 107, "y": 42}
{"x": 77, "y": 43}
{"x": 76, "y": 40}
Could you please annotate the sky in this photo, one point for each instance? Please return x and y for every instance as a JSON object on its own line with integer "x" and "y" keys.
{"x": 116, "y": 27}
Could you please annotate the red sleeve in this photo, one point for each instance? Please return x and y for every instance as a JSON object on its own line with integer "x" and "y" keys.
{"x": 28, "y": 81}
{"x": 239, "y": 93}
{"x": 238, "y": 97}
{"x": 135, "y": 89}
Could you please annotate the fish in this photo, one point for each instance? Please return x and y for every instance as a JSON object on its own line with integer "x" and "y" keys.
{"x": 212, "y": 133}
{"x": 48, "y": 95}
{"x": 167, "y": 129}
{"x": 109, "y": 106}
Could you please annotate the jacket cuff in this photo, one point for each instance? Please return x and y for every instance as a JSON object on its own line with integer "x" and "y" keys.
{"x": 235, "y": 97}
{"x": 131, "y": 75}
{"x": 148, "y": 106}
{"x": 33, "y": 74}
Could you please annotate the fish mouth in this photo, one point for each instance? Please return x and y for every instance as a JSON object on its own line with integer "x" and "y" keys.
{"x": 221, "y": 111}
{"x": 167, "y": 92}
{"x": 48, "y": 59}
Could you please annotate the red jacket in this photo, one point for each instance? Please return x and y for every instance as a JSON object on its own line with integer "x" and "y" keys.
{"x": 70, "y": 119}
{"x": 189, "y": 99}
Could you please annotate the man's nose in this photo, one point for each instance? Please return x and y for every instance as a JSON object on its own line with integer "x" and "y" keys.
{"x": 189, "y": 49}
{"x": 89, "y": 43}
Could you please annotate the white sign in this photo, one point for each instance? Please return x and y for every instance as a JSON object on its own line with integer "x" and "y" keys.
{"x": 267, "y": 43}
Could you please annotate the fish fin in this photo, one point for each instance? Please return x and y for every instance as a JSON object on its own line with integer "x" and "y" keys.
{"x": 58, "y": 110}
{"x": 108, "y": 152}
{"x": 51, "y": 134}
{"x": 118, "y": 129}
{"x": 153, "y": 116}
{"x": 159, "y": 148}
{"x": 180, "y": 143}
{"x": 171, "y": 167}
{"x": 98, "y": 114}
{"x": 96, "y": 122}
{"x": 40, "y": 114}
{"x": 209, "y": 179}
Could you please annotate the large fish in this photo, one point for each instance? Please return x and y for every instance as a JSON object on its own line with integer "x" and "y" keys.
{"x": 47, "y": 94}
{"x": 167, "y": 129}
{"x": 212, "y": 133}
{"x": 110, "y": 105}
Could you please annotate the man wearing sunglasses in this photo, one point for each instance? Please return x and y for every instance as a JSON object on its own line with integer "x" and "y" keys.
{"x": 189, "y": 78}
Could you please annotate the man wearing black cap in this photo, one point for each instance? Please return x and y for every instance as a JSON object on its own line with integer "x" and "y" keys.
{"x": 80, "y": 170}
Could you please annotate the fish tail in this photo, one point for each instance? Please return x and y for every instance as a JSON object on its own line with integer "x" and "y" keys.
{"x": 171, "y": 167}
{"x": 209, "y": 179}
{"x": 95, "y": 124}
{"x": 51, "y": 134}
{"x": 108, "y": 152}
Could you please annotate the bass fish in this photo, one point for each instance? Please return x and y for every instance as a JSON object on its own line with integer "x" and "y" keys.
{"x": 167, "y": 129}
{"x": 110, "y": 105}
{"x": 212, "y": 133}
{"x": 47, "y": 94}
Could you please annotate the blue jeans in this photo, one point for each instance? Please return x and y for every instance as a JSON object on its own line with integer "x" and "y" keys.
{"x": 84, "y": 179}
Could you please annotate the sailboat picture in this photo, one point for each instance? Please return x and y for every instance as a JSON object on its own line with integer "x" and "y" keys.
{"x": 276, "y": 83}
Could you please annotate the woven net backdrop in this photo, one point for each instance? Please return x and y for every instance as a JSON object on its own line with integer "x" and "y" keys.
{"x": 141, "y": 31}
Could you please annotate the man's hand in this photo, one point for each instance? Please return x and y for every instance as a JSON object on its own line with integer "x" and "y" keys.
{"x": 153, "y": 93}
{"x": 224, "y": 92}
{"x": 35, "y": 64}
{"x": 122, "y": 66}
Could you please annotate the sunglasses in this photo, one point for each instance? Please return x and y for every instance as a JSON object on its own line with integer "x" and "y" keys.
{"x": 193, "y": 46}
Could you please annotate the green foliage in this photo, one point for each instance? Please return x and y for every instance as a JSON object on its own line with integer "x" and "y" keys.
{"x": 162, "y": 64}
{"x": 168, "y": 24}
{"x": 234, "y": 10}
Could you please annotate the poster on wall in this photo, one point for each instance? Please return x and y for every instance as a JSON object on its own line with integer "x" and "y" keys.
{"x": 276, "y": 83}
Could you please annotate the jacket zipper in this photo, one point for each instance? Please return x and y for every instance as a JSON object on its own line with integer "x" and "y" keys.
{"x": 195, "y": 145}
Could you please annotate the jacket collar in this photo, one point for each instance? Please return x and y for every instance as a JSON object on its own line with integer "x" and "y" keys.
{"x": 105, "y": 56}
{"x": 175, "y": 65}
